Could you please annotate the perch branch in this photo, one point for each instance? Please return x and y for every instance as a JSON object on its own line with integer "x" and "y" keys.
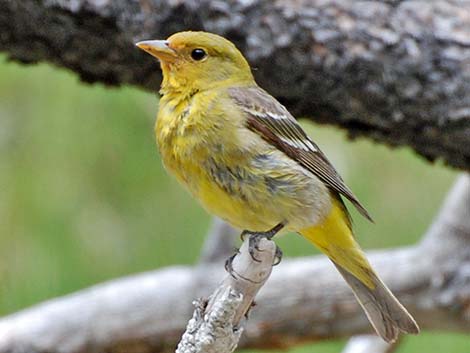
{"x": 304, "y": 299}
{"x": 216, "y": 328}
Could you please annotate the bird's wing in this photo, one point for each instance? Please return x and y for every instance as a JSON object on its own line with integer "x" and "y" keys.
{"x": 270, "y": 119}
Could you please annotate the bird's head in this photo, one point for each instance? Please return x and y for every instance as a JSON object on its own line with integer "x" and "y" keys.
{"x": 197, "y": 61}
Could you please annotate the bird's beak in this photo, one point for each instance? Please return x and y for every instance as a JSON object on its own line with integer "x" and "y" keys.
{"x": 158, "y": 48}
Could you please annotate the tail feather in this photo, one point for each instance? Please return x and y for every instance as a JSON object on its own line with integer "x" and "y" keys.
{"x": 334, "y": 237}
{"x": 384, "y": 311}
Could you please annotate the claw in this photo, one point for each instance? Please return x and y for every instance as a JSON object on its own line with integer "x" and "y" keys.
{"x": 277, "y": 256}
{"x": 229, "y": 265}
{"x": 253, "y": 245}
{"x": 243, "y": 235}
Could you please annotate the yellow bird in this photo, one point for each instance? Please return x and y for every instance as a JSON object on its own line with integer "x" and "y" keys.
{"x": 247, "y": 160}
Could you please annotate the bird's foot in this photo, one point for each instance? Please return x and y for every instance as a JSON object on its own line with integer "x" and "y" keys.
{"x": 277, "y": 256}
{"x": 255, "y": 238}
{"x": 229, "y": 265}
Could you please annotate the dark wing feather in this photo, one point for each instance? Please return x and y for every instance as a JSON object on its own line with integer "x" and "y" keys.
{"x": 275, "y": 124}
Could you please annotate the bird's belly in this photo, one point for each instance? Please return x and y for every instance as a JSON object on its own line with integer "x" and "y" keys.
{"x": 240, "y": 213}
{"x": 253, "y": 189}
{"x": 259, "y": 196}
{"x": 226, "y": 196}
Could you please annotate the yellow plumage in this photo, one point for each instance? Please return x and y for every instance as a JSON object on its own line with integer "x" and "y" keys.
{"x": 334, "y": 237}
{"x": 213, "y": 155}
{"x": 244, "y": 157}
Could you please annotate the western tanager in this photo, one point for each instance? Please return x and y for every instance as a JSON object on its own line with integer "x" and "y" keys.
{"x": 248, "y": 161}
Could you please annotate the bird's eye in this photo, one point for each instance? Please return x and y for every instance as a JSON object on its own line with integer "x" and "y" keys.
{"x": 198, "y": 54}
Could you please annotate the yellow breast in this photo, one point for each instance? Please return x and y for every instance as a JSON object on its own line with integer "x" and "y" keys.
{"x": 194, "y": 147}
{"x": 233, "y": 172}
{"x": 185, "y": 139}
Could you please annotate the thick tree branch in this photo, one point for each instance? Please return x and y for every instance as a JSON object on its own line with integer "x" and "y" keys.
{"x": 305, "y": 299}
{"x": 395, "y": 71}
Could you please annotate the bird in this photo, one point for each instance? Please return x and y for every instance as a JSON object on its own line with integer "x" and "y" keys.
{"x": 247, "y": 160}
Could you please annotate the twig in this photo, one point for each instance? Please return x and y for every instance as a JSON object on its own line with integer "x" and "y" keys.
{"x": 217, "y": 329}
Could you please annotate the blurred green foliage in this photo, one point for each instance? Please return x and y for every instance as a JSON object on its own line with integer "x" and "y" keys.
{"x": 84, "y": 197}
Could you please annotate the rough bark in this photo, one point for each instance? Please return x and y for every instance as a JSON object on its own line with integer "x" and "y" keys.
{"x": 395, "y": 71}
{"x": 304, "y": 300}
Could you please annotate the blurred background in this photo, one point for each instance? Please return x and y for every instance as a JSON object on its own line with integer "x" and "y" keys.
{"x": 84, "y": 197}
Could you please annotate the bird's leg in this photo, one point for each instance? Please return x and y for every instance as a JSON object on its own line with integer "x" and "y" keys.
{"x": 255, "y": 238}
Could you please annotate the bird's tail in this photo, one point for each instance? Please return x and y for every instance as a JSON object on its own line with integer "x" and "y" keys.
{"x": 334, "y": 237}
